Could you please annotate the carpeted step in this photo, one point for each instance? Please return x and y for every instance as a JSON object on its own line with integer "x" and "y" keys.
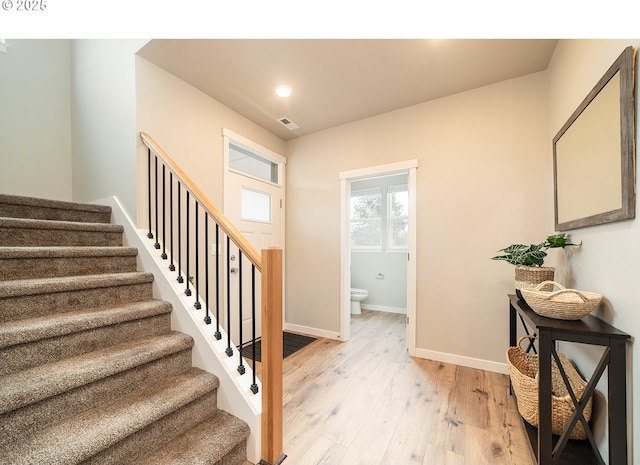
{"x": 220, "y": 440}
{"x": 111, "y": 433}
{"x": 15, "y": 206}
{"x": 31, "y": 342}
{"x": 18, "y": 232}
{"x": 36, "y": 398}
{"x": 30, "y": 298}
{"x": 49, "y": 262}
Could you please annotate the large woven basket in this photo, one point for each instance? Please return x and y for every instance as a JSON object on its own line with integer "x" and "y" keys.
{"x": 564, "y": 304}
{"x": 523, "y": 371}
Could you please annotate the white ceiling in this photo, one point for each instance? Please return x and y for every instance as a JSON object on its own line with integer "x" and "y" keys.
{"x": 336, "y": 81}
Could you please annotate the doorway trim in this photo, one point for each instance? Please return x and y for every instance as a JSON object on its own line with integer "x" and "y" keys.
{"x": 410, "y": 167}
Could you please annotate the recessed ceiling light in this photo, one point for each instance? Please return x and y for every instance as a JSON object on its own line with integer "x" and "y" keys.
{"x": 283, "y": 91}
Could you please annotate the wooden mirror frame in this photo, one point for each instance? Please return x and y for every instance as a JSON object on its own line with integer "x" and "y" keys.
{"x": 624, "y": 65}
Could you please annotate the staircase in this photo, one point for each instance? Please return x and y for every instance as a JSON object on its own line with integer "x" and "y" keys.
{"x": 90, "y": 371}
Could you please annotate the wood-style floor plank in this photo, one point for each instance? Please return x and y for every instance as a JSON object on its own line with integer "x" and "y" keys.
{"x": 366, "y": 402}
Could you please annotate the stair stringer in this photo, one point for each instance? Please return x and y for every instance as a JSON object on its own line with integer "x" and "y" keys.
{"x": 234, "y": 393}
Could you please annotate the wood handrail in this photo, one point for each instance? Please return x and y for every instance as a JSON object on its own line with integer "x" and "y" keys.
{"x": 229, "y": 229}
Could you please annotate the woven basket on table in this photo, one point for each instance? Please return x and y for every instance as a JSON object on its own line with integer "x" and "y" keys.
{"x": 564, "y": 304}
{"x": 531, "y": 276}
{"x": 523, "y": 371}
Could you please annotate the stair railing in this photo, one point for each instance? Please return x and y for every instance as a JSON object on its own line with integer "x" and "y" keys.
{"x": 191, "y": 243}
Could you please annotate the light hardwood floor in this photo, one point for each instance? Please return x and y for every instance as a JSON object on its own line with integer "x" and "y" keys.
{"x": 366, "y": 402}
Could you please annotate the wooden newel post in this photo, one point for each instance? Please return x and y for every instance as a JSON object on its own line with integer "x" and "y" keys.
{"x": 272, "y": 356}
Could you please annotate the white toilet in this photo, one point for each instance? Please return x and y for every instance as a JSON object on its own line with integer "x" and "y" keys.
{"x": 357, "y": 296}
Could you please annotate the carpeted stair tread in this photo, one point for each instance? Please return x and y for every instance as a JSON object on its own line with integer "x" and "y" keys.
{"x": 89, "y": 433}
{"x": 31, "y": 207}
{"x": 55, "y": 225}
{"x": 24, "y": 287}
{"x": 204, "y": 444}
{"x": 18, "y": 232}
{"x": 34, "y": 329}
{"x": 66, "y": 252}
{"x": 38, "y": 383}
{"x": 40, "y": 262}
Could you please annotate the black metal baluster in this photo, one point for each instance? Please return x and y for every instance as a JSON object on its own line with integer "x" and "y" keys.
{"x": 164, "y": 214}
{"x": 254, "y": 385}
{"x": 172, "y": 267}
{"x": 179, "y": 278}
{"x": 241, "y": 369}
{"x": 228, "y": 350}
{"x": 197, "y": 304}
{"x": 218, "y": 334}
{"x": 157, "y": 244}
{"x": 207, "y": 318}
{"x": 187, "y": 291}
{"x": 149, "y": 234}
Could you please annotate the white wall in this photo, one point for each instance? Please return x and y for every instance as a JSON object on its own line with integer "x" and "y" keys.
{"x": 103, "y": 115}
{"x": 35, "y": 119}
{"x": 480, "y": 186}
{"x": 386, "y": 293}
{"x": 606, "y": 261}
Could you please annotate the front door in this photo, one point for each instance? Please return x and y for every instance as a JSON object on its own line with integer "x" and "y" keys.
{"x": 253, "y": 202}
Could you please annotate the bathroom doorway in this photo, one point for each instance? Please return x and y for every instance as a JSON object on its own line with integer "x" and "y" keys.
{"x": 380, "y": 244}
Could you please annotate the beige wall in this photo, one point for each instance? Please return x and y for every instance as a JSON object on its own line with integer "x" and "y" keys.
{"x": 606, "y": 261}
{"x": 480, "y": 186}
{"x": 35, "y": 119}
{"x": 188, "y": 124}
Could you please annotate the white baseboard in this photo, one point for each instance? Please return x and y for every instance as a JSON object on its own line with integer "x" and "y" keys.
{"x": 384, "y": 308}
{"x": 461, "y": 360}
{"x": 312, "y": 331}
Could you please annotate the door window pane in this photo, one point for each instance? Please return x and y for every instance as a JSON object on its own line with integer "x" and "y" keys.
{"x": 255, "y": 205}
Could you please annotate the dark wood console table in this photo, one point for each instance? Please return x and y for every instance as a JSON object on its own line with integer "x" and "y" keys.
{"x": 589, "y": 330}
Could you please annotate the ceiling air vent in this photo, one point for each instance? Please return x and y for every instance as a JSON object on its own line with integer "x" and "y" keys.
{"x": 287, "y": 123}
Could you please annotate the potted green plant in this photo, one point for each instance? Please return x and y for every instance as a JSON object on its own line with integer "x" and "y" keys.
{"x": 529, "y": 260}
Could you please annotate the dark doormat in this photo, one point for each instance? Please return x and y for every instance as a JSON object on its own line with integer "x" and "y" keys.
{"x": 291, "y": 343}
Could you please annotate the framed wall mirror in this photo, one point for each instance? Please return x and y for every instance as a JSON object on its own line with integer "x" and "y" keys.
{"x": 594, "y": 153}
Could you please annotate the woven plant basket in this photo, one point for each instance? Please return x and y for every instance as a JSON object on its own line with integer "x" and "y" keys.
{"x": 531, "y": 276}
{"x": 564, "y": 304}
{"x": 523, "y": 371}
